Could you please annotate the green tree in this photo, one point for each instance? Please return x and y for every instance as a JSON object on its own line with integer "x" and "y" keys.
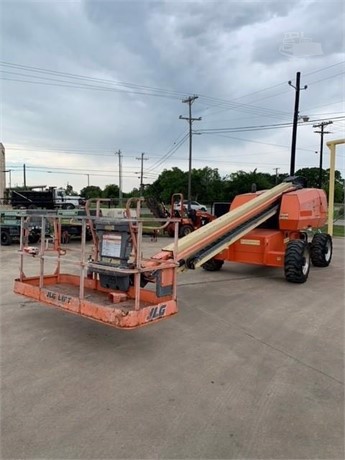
{"x": 207, "y": 185}
{"x": 242, "y": 182}
{"x": 168, "y": 182}
{"x": 91, "y": 191}
{"x": 134, "y": 192}
{"x": 338, "y": 186}
{"x": 111, "y": 191}
{"x": 311, "y": 175}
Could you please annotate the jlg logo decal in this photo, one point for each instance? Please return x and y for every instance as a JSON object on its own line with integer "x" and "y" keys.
{"x": 156, "y": 312}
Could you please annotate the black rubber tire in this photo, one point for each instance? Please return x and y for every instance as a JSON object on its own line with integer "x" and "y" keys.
{"x": 33, "y": 237}
{"x": 32, "y": 206}
{"x": 185, "y": 230}
{"x": 6, "y": 239}
{"x": 297, "y": 261}
{"x": 67, "y": 206}
{"x": 171, "y": 232}
{"x": 213, "y": 265}
{"x": 321, "y": 250}
{"x": 88, "y": 235}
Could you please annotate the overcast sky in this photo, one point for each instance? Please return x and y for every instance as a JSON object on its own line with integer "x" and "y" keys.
{"x": 83, "y": 79}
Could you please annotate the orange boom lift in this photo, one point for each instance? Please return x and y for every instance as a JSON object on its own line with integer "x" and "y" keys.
{"x": 120, "y": 288}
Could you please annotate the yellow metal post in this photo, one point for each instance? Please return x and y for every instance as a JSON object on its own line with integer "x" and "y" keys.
{"x": 332, "y": 147}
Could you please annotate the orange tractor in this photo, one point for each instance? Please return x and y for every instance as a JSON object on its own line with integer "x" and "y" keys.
{"x": 189, "y": 221}
{"x": 121, "y": 288}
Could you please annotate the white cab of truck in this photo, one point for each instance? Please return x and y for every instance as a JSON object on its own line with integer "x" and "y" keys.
{"x": 67, "y": 201}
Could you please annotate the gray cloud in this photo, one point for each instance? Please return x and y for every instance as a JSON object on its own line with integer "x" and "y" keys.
{"x": 216, "y": 49}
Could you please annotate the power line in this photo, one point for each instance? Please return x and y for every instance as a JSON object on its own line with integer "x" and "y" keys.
{"x": 169, "y": 153}
{"x": 87, "y": 78}
{"x": 283, "y": 84}
{"x": 133, "y": 85}
{"x": 258, "y": 142}
{"x": 260, "y": 127}
{"x": 326, "y": 78}
{"x": 221, "y": 103}
{"x": 147, "y": 89}
{"x": 142, "y": 89}
{"x": 97, "y": 88}
{"x": 324, "y": 68}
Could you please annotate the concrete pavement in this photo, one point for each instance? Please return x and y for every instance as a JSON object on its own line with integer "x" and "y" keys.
{"x": 251, "y": 367}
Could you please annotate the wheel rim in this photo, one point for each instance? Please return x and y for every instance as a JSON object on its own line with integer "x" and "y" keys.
{"x": 5, "y": 238}
{"x": 328, "y": 251}
{"x": 185, "y": 230}
{"x": 306, "y": 261}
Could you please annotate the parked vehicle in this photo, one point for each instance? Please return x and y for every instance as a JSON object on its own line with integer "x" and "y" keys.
{"x": 193, "y": 205}
{"x": 10, "y": 222}
{"x": 71, "y": 224}
{"x": 189, "y": 220}
{"x": 50, "y": 198}
{"x": 70, "y": 221}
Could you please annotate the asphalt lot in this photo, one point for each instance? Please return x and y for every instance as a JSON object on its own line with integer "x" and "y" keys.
{"x": 251, "y": 367}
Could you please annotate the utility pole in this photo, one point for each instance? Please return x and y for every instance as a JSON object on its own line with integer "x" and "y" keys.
{"x": 295, "y": 121}
{"x": 120, "y": 176}
{"x": 190, "y": 120}
{"x": 142, "y": 158}
{"x": 276, "y": 170}
{"x": 24, "y": 175}
{"x": 322, "y": 132}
